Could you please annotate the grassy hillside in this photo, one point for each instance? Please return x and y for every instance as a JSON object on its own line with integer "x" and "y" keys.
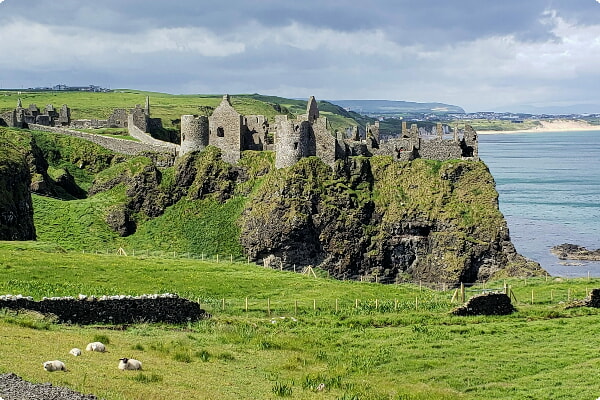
{"x": 361, "y": 340}
{"x": 85, "y": 105}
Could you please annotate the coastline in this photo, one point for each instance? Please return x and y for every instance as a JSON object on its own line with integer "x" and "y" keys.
{"x": 549, "y": 126}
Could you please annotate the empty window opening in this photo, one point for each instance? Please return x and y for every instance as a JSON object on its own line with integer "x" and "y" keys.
{"x": 220, "y": 132}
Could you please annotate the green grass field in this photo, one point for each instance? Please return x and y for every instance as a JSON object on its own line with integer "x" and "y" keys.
{"x": 168, "y": 107}
{"x": 279, "y": 334}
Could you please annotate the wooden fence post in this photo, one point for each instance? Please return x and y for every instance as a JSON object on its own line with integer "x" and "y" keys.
{"x": 336, "y": 305}
{"x": 462, "y": 292}
{"x": 295, "y": 307}
{"x": 314, "y": 305}
{"x": 223, "y": 305}
{"x": 246, "y": 304}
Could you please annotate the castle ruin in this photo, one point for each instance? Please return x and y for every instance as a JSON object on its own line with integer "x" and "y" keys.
{"x": 226, "y": 129}
{"x": 306, "y": 135}
{"x": 20, "y": 117}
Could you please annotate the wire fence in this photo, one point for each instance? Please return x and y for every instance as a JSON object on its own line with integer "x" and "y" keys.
{"x": 440, "y": 295}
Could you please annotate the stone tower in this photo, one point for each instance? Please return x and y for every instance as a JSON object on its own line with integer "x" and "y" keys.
{"x": 295, "y": 140}
{"x": 194, "y": 133}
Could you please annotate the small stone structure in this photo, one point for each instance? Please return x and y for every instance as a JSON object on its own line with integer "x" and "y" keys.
{"x": 168, "y": 308}
{"x": 494, "y": 303}
{"x": 593, "y": 300}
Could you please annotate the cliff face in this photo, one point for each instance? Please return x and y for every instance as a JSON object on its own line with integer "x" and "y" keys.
{"x": 16, "y": 210}
{"x": 419, "y": 220}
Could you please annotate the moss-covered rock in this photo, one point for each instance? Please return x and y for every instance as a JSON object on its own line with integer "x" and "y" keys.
{"x": 16, "y": 209}
{"x": 418, "y": 220}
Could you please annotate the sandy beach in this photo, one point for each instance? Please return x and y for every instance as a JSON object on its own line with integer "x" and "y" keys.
{"x": 551, "y": 126}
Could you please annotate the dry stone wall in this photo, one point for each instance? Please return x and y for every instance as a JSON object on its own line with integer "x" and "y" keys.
{"x": 85, "y": 310}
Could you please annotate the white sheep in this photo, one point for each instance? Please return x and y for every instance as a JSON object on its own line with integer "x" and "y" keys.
{"x": 96, "y": 346}
{"x": 55, "y": 365}
{"x": 129, "y": 364}
{"x": 75, "y": 351}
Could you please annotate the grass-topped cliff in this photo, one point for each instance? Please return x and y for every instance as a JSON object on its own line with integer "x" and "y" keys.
{"x": 365, "y": 218}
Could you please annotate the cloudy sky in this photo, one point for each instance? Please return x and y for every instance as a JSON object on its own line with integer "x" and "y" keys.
{"x": 479, "y": 54}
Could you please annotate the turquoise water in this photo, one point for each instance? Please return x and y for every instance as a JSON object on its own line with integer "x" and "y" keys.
{"x": 549, "y": 187}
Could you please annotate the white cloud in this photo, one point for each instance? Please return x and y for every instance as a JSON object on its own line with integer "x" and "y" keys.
{"x": 33, "y": 45}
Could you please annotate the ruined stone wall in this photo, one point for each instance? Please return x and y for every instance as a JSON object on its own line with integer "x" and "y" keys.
{"x": 325, "y": 141}
{"x": 255, "y": 136}
{"x": 118, "y": 118}
{"x": 168, "y": 308}
{"x": 194, "y": 133}
{"x": 88, "y": 123}
{"x": 440, "y": 149}
{"x": 10, "y": 119}
{"x": 226, "y": 130}
{"x": 142, "y": 136}
{"x": 401, "y": 149}
{"x": 139, "y": 118}
{"x": 470, "y": 143}
{"x": 122, "y": 146}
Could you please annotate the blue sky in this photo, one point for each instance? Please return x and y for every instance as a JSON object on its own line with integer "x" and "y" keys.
{"x": 478, "y": 54}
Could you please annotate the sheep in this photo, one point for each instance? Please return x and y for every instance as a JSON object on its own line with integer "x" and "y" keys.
{"x": 129, "y": 364}
{"x": 55, "y": 365}
{"x": 96, "y": 346}
{"x": 75, "y": 351}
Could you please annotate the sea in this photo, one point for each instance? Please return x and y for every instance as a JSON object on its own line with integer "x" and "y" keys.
{"x": 549, "y": 192}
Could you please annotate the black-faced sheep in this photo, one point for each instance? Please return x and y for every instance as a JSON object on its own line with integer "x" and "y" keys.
{"x": 129, "y": 364}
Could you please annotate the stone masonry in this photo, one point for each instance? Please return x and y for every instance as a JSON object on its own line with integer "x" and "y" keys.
{"x": 194, "y": 133}
{"x": 168, "y": 308}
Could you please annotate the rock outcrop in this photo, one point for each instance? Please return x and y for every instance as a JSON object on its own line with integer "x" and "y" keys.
{"x": 486, "y": 304}
{"x": 418, "y": 220}
{"x": 16, "y": 209}
{"x": 567, "y": 251}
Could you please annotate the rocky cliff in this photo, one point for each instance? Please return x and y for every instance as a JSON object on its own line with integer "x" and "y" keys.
{"x": 419, "y": 220}
{"x": 16, "y": 210}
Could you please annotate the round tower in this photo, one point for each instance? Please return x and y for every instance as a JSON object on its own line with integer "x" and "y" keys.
{"x": 194, "y": 133}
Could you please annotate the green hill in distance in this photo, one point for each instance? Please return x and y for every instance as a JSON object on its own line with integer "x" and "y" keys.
{"x": 398, "y": 108}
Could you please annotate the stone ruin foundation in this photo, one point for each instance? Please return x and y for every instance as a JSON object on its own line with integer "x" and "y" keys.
{"x": 486, "y": 304}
